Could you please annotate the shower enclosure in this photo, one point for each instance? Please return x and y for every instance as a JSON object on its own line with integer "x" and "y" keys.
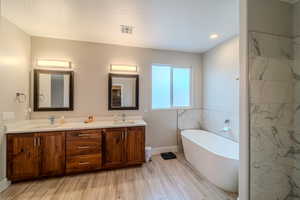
{"x": 274, "y": 73}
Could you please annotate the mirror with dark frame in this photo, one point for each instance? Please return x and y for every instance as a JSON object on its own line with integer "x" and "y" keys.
{"x": 123, "y": 92}
{"x": 53, "y": 90}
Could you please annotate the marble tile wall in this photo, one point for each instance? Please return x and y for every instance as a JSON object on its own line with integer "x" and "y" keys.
{"x": 189, "y": 119}
{"x": 207, "y": 119}
{"x": 295, "y": 134}
{"x": 274, "y": 122}
{"x": 213, "y": 121}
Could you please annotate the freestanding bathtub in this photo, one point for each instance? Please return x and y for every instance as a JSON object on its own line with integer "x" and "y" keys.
{"x": 213, "y": 156}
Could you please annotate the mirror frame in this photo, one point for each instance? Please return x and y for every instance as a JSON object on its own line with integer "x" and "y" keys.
{"x": 37, "y": 72}
{"x": 110, "y": 77}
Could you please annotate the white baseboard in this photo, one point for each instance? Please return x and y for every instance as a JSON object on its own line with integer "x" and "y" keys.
{"x": 159, "y": 150}
{"x": 4, "y": 184}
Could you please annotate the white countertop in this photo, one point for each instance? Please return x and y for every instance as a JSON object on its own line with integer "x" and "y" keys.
{"x": 46, "y": 127}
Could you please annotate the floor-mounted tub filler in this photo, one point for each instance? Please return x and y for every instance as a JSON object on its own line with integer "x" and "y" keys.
{"x": 215, "y": 157}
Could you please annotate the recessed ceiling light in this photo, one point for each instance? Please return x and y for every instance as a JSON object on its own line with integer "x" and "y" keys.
{"x": 214, "y": 36}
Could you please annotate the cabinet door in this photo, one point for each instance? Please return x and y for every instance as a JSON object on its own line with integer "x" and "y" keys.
{"x": 114, "y": 147}
{"x": 135, "y": 145}
{"x": 52, "y": 153}
{"x": 22, "y": 157}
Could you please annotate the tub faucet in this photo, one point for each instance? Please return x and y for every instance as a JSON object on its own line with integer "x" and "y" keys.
{"x": 51, "y": 119}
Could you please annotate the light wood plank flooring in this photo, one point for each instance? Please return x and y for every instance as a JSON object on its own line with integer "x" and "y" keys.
{"x": 157, "y": 180}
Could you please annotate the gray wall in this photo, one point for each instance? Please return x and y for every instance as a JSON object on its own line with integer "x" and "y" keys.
{"x": 14, "y": 75}
{"x": 296, "y": 20}
{"x": 220, "y": 88}
{"x": 270, "y": 16}
{"x": 91, "y": 63}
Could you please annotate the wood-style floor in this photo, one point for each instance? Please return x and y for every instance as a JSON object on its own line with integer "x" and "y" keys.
{"x": 157, "y": 180}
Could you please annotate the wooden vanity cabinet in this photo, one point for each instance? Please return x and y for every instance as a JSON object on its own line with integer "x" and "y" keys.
{"x": 124, "y": 146}
{"x": 84, "y": 151}
{"x": 22, "y": 157}
{"x": 35, "y": 155}
{"x": 52, "y": 153}
{"x": 114, "y": 147}
{"x": 135, "y": 145}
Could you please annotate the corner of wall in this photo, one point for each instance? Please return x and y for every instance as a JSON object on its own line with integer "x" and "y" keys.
{"x": 12, "y": 65}
{"x": 220, "y": 68}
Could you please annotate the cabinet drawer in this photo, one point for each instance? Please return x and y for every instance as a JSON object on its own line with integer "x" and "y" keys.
{"x": 83, "y": 163}
{"x": 85, "y": 134}
{"x": 83, "y": 147}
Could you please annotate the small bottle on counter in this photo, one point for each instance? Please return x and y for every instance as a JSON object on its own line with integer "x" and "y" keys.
{"x": 62, "y": 120}
{"x": 90, "y": 119}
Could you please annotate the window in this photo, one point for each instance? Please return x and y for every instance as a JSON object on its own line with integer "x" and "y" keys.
{"x": 171, "y": 87}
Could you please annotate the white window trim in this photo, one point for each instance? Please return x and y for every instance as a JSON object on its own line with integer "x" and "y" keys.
{"x": 191, "y": 88}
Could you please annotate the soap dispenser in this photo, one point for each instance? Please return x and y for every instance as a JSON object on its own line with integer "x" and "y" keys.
{"x": 226, "y": 127}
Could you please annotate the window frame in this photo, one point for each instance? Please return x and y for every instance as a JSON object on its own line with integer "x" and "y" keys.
{"x": 172, "y": 88}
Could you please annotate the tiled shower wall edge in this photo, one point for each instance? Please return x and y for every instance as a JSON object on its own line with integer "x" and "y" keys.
{"x": 274, "y": 99}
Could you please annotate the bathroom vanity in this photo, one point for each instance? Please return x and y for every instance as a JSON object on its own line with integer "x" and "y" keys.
{"x": 37, "y": 149}
{"x": 45, "y": 151}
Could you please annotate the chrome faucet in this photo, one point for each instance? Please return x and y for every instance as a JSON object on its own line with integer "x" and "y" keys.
{"x": 51, "y": 119}
{"x": 123, "y": 117}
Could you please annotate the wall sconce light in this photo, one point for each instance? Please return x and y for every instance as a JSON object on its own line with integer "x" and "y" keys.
{"x": 54, "y": 63}
{"x": 124, "y": 68}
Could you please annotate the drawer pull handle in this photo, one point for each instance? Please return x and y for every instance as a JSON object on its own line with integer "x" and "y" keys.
{"x": 83, "y": 135}
{"x": 34, "y": 141}
{"x": 84, "y": 163}
{"x": 39, "y": 141}
{"x": 83, "y": 147}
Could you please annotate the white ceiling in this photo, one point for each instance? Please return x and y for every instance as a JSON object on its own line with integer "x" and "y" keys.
{"x": 183, "y": 25}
